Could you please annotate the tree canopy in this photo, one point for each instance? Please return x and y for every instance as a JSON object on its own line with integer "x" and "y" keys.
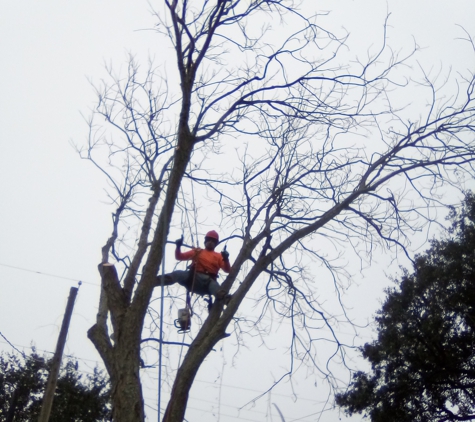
{"x": 423, "y": 360}
{"x": 296, "y": 148}
{"x": 77, "y": 398}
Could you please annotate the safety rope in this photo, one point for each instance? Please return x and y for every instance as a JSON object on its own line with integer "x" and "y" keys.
{"x": 189, "y": 292}
{"x": 187, "y": 215}
{"x": 188, "y": 298}
{"x": 160, "y": 353}
{"x": 193, "y": 244}
{"x": 194, "y": 212}
{"x": 195, "y": 217}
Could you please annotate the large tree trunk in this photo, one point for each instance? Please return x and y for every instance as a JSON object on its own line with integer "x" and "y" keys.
{"x": 127, "y": 398}
{"x": 122, "y": 362}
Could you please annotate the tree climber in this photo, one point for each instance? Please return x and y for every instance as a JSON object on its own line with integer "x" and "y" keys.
{"x": 201, "y": 277}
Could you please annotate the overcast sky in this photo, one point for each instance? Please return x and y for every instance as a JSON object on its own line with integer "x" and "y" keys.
{"x": 54, "y": 215}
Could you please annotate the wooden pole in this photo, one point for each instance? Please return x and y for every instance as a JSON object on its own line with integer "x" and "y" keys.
{"x": 56, "y": 362}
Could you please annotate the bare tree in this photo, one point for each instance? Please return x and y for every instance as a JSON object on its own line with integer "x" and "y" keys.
{"x": 322, "y": 155}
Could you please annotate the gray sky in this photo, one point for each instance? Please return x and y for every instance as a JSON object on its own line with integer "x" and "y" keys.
{"x": 54, "y": 215}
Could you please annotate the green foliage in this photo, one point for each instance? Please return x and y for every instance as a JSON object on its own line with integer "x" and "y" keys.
{"x": 77, "y": 398}
{"x": 423, "y": 361}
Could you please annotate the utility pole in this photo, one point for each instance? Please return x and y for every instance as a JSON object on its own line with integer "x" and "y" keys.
{"x": 56, "y": 362}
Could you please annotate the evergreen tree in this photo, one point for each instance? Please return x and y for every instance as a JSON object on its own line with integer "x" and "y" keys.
{"x": 423, "y": 361}
{"x": 77, "y": 398}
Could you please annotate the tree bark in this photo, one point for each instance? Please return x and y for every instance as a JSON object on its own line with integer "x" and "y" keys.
{"x": 122, "y": 356}
{"x": 122, "y": 362}
{"x": 127, "y": 390}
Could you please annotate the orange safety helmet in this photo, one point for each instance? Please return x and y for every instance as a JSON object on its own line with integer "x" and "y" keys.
{"x": 212, "y": 235}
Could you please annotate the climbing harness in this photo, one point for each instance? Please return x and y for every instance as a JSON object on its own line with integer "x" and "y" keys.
{"x": 183, "y": 322}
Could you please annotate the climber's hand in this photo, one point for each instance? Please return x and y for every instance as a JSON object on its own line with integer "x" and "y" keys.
{"x": 179, "y": 242}
{"x": 225, "y": 255}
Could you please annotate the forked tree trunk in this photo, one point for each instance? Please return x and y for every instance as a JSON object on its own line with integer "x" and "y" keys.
{"x": 122, "y": 356}
{"x": 122, "y": 362}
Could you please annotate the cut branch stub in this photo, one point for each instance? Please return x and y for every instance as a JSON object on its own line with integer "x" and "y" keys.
{"x": 116, "y": 298}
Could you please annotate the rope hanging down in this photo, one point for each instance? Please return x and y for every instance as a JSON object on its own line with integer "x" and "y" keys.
{"x": 183, "y": 323}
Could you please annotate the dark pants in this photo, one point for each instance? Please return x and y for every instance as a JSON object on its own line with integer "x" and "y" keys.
{"x": 198, "y": 283}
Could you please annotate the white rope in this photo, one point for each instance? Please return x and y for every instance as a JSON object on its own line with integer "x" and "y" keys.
{"x": 188, "y": 306}
{"x": 161, "y": 326}
{"x": 194, "y": 212}
{"x": 187, "y": 214}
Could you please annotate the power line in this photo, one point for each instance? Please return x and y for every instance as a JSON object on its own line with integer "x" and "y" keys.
{"x": 98, "y": 364}
{"x": 15, "y": 347}
{"x": 239, "y": 410}
{"x": 48, "y": 274}
{"x": 25, "y": 356}
{"x": 253, "y": 390}
{"x": 11, "y": 345}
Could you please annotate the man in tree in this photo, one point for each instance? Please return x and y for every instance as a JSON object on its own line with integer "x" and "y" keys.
{"x": 423, "y": 362}
{"x": 201, "y": 278}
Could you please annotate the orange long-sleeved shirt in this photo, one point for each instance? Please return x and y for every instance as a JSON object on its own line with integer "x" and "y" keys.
{"x": 208, "y": 262}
